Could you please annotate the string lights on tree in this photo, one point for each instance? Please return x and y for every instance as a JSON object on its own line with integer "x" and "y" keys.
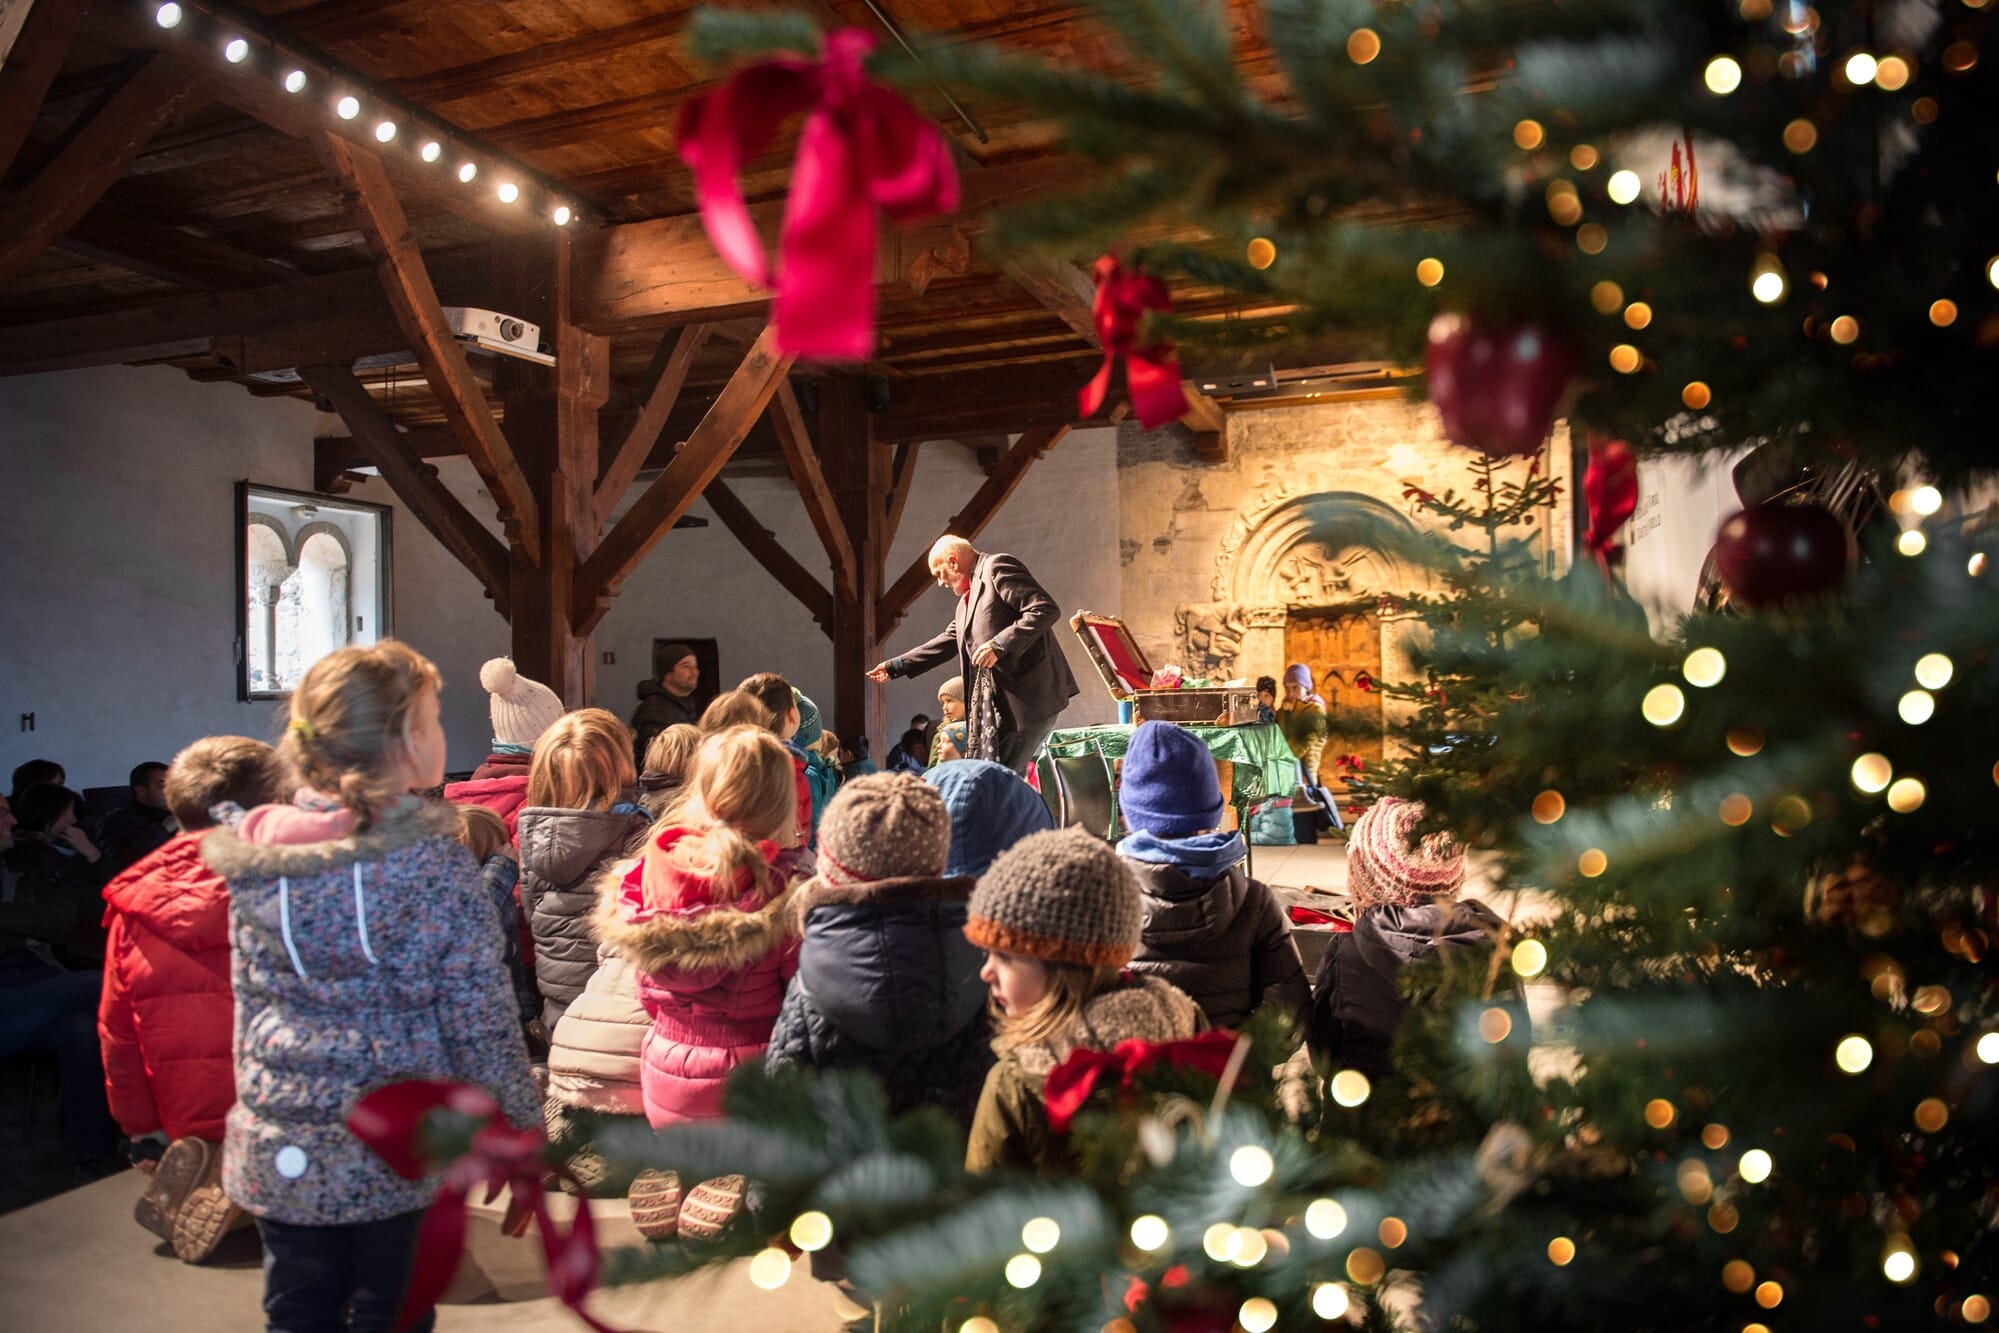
{"x": 304, "y": 73}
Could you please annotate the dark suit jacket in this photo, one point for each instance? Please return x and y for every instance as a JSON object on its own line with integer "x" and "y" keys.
{"x": 1009, "y": 608}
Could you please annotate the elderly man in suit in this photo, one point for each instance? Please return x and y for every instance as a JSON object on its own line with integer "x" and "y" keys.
{"x": 1001, "y": 624}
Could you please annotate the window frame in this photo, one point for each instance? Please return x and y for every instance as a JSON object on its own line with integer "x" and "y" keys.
{"x": 384, "y": 568}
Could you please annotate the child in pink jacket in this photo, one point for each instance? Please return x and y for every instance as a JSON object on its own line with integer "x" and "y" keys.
{"x": 706, "y": 919}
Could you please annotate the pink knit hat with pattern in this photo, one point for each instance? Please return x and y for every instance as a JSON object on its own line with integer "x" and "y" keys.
{"x": 1384, "y": 867}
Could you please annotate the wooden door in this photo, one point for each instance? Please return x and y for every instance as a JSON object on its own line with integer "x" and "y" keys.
{"x": 1341, "y": 646}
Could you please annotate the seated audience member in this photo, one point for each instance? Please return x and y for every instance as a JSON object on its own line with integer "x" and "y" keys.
{"x": 855, "y": 761}
{"x": 581, "y": 815}
{"x": 54, "y": 854}
{"x": 787, "y": 710}
{"x": 484, "y": 834}
{"x": 1266, "y": 699}
{"x": 909, "y": 754}
{"x": 47, "y": 1009}
{"x": 886, "y": 979}
{"x": 521, "y": 710}
{"x": 35, "y": 773}
{"x": 1058, "y": 914}
{"x": 1405, "y": 908}
{"x": 140, "y": 825}
{"x": 167, "y": 1014}
{"x": 947, "y": 741}
{"x": 735, "y": 708}
{"x": 1210, "y": 929}
{"x": 991, "y": 809}
{"x": 666, "y": 761}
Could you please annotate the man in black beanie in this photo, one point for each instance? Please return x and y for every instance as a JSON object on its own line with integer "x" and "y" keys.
{"x": 668, "y": 700}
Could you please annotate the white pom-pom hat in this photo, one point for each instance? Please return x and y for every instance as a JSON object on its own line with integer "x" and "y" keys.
{"x": 521, "y": 709}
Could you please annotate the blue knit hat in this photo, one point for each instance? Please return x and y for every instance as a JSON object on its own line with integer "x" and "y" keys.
{"x": 810, "y": 726}
{"x": 1170, "y": 788}
{"x": 991, "y": 810}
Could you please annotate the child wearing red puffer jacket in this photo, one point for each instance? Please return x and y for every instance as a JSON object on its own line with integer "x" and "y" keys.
{"x": 166, "y": 1015}
{"x": 706, "y": 918}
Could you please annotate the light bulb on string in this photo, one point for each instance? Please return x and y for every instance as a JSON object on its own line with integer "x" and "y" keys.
{"x": 348, "y": 107}
{"x": 1926, "y": 500}
{"x": 1251, "y": 1165}
{"x": 467, "y": 170}
{"x": 1853, "y": 1054}
{"x": 168, "y": 15}
{"x": 1766, "y": 280}
{"x": 1872, "y": 773}
{"x": 770, "y": 1269}
{"x": 1933, "y": 671}
{"x": 431, "y": 150}
{"x": 1623, "y": 187}
{"x": 1860, "y": 68}
{"x": 1325, "y": 1219}
{"x": 384, "y": 131}
{"x": 1704, "y": 668}
{"x": 1912, "y": 543}
{"x": 1041, "y": 1234}
{"x": 561, "y": 215}
{"x": 237, "y": 51}
{"x": 1150, "y": 1232}
{"x": 1723, "y": 75}
{"x": 812, "y": 1231}
{"x": 508, "y": 192}
{"x": 1330, "y": 1301}
{"x": 1917, "y": 707}
{"x": 1754, "y": 1166}
{"x": 295, "y": 81}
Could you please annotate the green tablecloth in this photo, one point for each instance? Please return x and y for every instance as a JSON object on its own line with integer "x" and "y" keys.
{"x": 1264, "y": 764}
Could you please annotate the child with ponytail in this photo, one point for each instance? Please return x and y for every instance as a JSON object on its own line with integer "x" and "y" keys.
{"x": 353, "y": 966}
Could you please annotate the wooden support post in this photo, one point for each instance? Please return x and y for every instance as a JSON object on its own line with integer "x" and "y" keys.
{"x": 970, "y": 521}
{"x": 421, "y": 317}
{"x": 859, "y": 467}
{"x": 677, "y": 487}
{"x": 414, "y": 482}
{"x": 163, "y": 89}
{"x": 802, "y": 459}
{"x": 763, "y": 544}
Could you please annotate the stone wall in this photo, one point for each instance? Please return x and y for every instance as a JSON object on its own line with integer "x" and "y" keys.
{"x": 1308, "y": 512}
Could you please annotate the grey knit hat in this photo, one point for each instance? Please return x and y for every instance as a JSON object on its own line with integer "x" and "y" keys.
{"x": 1062, "y": 897}
{"x": 883, "y": 826}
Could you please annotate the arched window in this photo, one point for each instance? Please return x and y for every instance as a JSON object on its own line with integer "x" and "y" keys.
{"x": 315, "y": 579}
{"x": 269, "y": 559}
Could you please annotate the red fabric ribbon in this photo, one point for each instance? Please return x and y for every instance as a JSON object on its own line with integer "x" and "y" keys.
{"x": 1152, "y": 373}
{"x": 863, "y": 147}
{"x": 1070, "y": 1083}
{"x": 1610, "y": 488}
{"x": 390, "y": 1121}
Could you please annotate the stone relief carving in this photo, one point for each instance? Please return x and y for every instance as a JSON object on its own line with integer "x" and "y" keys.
{"x": 1314, "y": 575}
{"x": 1209, "y": 638}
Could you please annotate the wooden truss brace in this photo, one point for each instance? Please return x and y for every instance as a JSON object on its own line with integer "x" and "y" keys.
{"x": 803, "y": 462}
{"x": 30, "y": 67}
{"x": 676, "y": 358}
{"x": 163, "y": 89}
{"x": 413, "y": 480}
{"x": 682, "y": 481}
{"x": 901, "y": 476}
{"x": 763, "y": 544}
{"x": 969, "y": 522}
{"x": 418, "y": 312}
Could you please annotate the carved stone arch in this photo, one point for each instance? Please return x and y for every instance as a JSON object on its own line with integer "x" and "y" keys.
{"x": 1253, "y": 574}
{"x": 322, "y": 528}
{"x": 276, "y": 529}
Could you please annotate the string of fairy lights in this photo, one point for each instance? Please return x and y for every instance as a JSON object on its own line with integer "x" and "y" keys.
{"x": 349, "y": 98}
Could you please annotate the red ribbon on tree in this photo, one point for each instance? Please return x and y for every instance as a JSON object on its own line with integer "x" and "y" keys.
{"x": 1070, "y": 1083}
{"x": 390, "y": 1121}
{"x": 1151, "y": 373}
{"x": 1610, "y": 488}
{"x": 863, "y": 147}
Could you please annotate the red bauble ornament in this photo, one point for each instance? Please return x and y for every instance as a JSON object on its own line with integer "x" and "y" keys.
{"x": 1767, "y": 554}
{"x": 1497, "y": 388}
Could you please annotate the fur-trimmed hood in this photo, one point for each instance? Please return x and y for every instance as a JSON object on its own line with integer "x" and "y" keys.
{"x": 699, "y": 941}
{"x": 403, "y": 824}
{"x": 1143, "y": 1009}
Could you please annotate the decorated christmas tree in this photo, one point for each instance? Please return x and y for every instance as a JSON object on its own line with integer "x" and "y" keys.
{"x": 1732, "y": 1072}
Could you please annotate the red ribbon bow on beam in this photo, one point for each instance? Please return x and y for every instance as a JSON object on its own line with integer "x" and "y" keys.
{"x": 1070, "y": 1083}
{"x": 1151, "y": 374}
{"x": 1610, "y": 488}
{"x": 863, "y": 147}
{"x": 391, "y": 1121}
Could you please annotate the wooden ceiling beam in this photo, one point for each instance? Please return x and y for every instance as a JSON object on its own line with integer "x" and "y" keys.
{"x": 161, "y": 90}
{"x": 801, "y": 458}
{"x": 681, "y": 482}
{"x": 668, "y": 377}
{"x": 108, "y": 236}
{"x": 421, "y": 317}
{"x": 30, "y": 68}
{"x": 968, "y": 522}
{"x": 763, "y": 544}
{"x": 1063, "y": 288}
{"x": 481, "y": 76}
{"x": 415, "y": 482}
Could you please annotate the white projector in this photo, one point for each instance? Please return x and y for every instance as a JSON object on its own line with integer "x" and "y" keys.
{"x": 507, "y": 335}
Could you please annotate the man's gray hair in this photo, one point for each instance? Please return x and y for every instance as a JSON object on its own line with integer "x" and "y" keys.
{"x": 950, "y": 544}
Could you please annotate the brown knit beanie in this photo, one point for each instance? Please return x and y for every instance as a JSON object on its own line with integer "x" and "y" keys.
{"x": 1384, "y": 867}
{"x": 1062, "y": 897}
{"x": 883, "y": 826}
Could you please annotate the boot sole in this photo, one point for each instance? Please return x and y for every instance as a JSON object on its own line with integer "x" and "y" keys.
{"x": 205, "y": 1216}
{"x": 181, "y": 1168}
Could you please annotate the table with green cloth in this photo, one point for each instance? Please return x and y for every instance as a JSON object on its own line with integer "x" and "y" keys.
{"x": 1264, "y": 763}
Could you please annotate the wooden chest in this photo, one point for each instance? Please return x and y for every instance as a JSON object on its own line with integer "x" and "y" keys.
{"x": 1128, "y": 676}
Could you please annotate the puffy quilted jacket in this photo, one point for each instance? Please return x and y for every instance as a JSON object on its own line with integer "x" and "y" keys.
{"x": 887, "y": 981}
{"x": 505, "y": 795}
{"x": 562, "y": 854}
{"x": 711, "y": 975}
{"x": 593, "y": 1057}
{"x": 1356, "y": 1007}
{"x": 1224, "y": 941}
{"x": 165, "y": 1015}
{"x": 358, "y": 959}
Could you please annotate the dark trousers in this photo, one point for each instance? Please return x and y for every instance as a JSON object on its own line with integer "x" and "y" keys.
{"x": 57, "y": 1014}
{"x": 1016, "y": 745}
{"x": 337, "y": 1279}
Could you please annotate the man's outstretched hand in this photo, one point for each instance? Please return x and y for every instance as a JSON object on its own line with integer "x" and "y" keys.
{"x": 878, "y": 673}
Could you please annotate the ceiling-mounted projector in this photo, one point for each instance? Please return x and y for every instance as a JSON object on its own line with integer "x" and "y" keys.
{"x": 473, "y": 328}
